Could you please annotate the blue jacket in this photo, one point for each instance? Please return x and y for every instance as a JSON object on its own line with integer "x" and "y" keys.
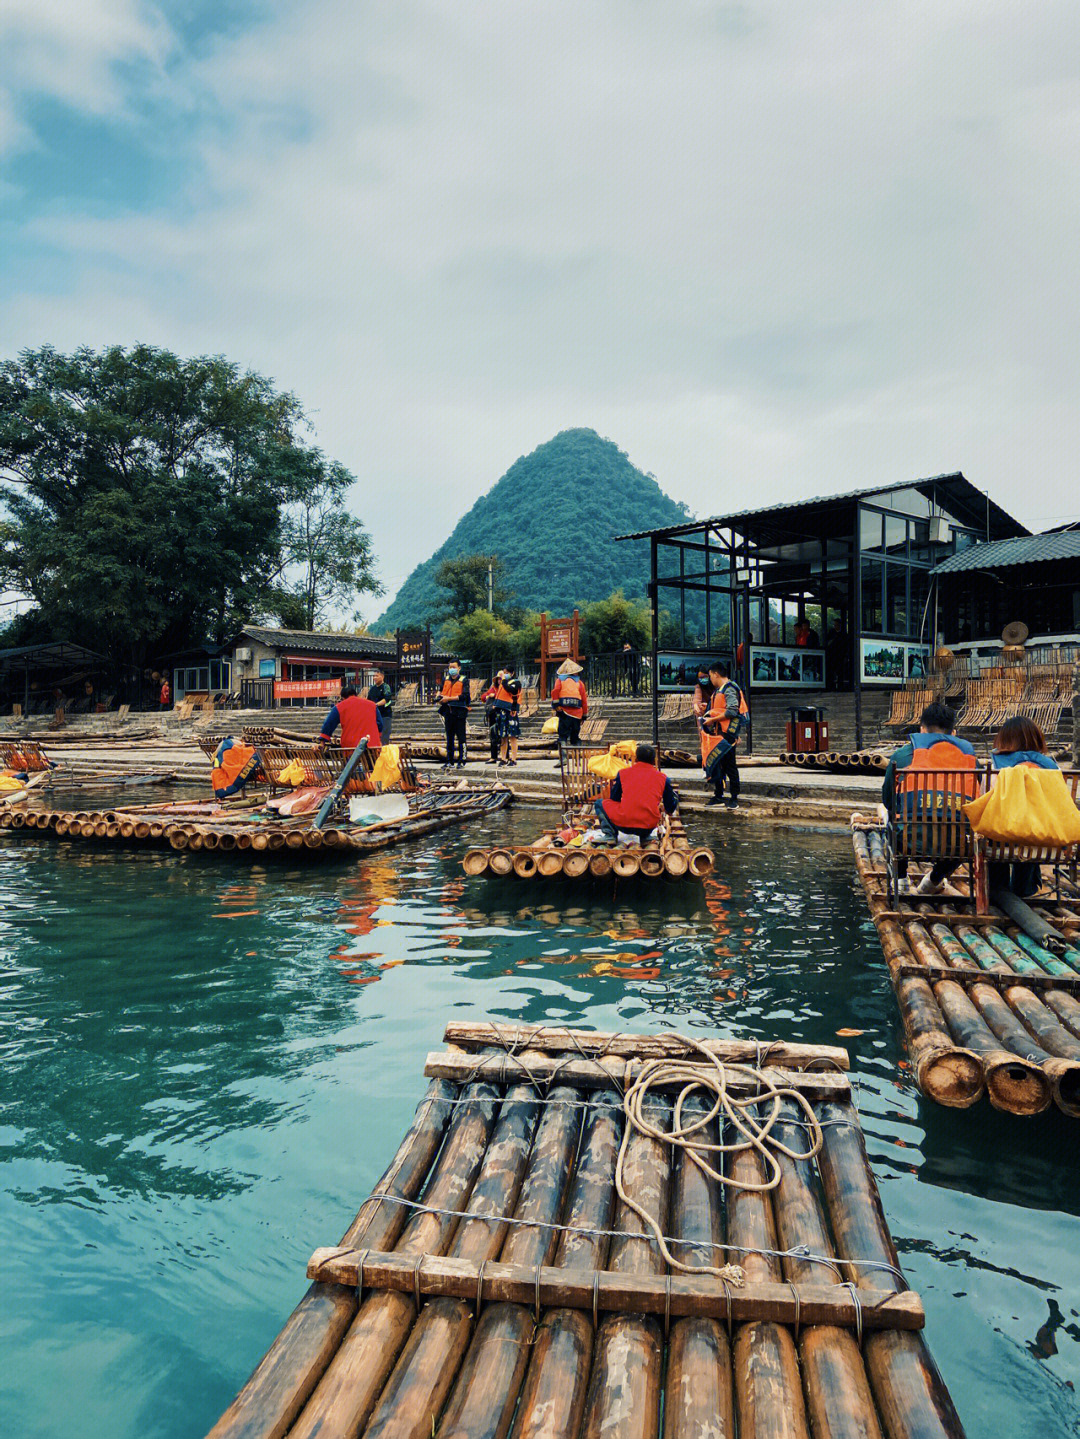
{"x": 1023, "y": 756}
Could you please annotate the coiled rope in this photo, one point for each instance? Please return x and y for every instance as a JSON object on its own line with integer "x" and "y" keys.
{"x": 710, "y": 1076}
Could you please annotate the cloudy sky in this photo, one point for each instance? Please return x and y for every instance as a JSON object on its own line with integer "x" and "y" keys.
{"x": 768, "y": 248}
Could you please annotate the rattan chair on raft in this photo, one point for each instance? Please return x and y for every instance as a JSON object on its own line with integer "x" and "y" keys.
{"x": 928, "y": 823}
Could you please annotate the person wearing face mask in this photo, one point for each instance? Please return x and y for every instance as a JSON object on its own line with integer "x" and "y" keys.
{"x": 507, "y": 714}
{"x": 491, "y": 718}
{"x": 454, "y": 701}
{"x": 703, "y": 691}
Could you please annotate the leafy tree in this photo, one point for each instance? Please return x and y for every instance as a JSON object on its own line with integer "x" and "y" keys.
{"x": 480, "y": 636}
{"x": 609, "y": 624}
{"x": 329, "y": 550}
{"x": 465, "y": 580}
{"x": 149, "y": 497}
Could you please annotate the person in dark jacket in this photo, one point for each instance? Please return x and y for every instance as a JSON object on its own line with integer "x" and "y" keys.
{"x": 935, "y": 748}
{"x": 454, "y": 702}
{"x": 638, "y": 795}
{"x": 382, "y": 697}
{"x": 491, "y": 716}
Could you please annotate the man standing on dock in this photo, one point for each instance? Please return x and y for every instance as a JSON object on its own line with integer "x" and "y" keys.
{"x": 720, "y": 730}
{"x": 454, "y": 701}
{"x": 358, "y": 718}
{"x": 569, "y": 701}
{"x": 382, "y": 697}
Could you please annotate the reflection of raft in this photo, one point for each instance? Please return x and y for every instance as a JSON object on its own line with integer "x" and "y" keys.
{"x": 208, "y": 825}
{"x": 528, "y": 1257}
{"x": 673, "y": 858}
{"x": 985, "y": 1006}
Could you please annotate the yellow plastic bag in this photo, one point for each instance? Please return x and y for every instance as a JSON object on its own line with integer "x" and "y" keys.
{"x": 1027, "y": 806}
{"x": 550, "y": 726}
{"x": 607, "y": 766}
{"x": 387, "y": 771}
{"x": 294, "y": 773}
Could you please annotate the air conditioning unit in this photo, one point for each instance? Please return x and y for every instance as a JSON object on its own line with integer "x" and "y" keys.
{"x": 242, "y": 656}
{"x": 940, "y": 530}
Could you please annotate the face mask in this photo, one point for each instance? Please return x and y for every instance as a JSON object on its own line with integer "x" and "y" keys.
{"x": 453, "y": 674}
{"x": 703, "y": 680}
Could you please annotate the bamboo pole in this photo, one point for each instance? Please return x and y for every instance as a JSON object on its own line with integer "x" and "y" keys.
{"x": 652, "y": 864}
{"x": 280, "y": 1385}
{"x": 600, "y": 864}
{"x": 475, "y": 862}
{"x": 676, "y": 863}
{"x": 524, "y": 864}
{"x": 421, "y": 1380}
{"x": 626, "y": 1374}
{"x": 625, "y": 864}
{"x": 910, "y": 1393}
{"x": 550, "y": 863}
{"x": 835, "y": 1382}
{"x": 345, "y": 1395}
{"x": 701, "y": 863}
{"x": 575, "y": 863}
{"x": 500, "y": 862}
{"x": 553, "y": 1395}
{"x": 481, "y": 1405}
{"x": 768, "y": 1393}
{"x": 699, "y": 1386}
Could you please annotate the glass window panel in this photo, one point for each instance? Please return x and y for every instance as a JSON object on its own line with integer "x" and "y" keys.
{"x": 720, "y": 618}
{"x": 920, "y": 590}
{"x": 872, "y": 612}
{"x": 870, "y": 527}
{"x": 813, "y": 614}
{"x": 896, "y": 599}
{"x": 896, "y": 536}
{"x": 922, "y": 552}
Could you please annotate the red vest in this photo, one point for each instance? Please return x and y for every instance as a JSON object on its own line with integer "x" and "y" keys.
{"x": 642, "y": 791}
{"x": 569, "y": 696}
{"x": 359, "y": 717}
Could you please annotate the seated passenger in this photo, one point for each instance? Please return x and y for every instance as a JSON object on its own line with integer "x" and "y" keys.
{"x": 638, "y": 794}
{"x": 1019, "y": 741}
{"x": 235, "y": 765}
{"x": 358, "y": 718}
{"x": 935, "y": 747}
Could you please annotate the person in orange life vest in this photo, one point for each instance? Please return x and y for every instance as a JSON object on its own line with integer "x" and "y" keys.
{"x": 720, "y": 730}
{"x": 638, "y": 794}
{"x": 935, "y": 747}
{"x": 1019, "y": 742}
{"x": 235, "y": 764}
{"x": 165, "y": 697}
{"x": 487, "y": 699}
{"x": 358, "y": 718}
{"x": 569, "y": 701}
{"x": 454, "y": 702}
{"x": 508, "y": 723}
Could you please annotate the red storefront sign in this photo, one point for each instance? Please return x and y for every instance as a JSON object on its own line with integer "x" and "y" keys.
{"x": 298, "y": 689}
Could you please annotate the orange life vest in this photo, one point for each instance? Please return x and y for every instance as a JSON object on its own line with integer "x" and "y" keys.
{"x": 451, "y": 689}
{"x": 503, "y": 696}
{"x": 718, "y": 714}
{"x": 569, "y": 696}
{"x": 234, "y": 761}
{"x": 942, "y": 752}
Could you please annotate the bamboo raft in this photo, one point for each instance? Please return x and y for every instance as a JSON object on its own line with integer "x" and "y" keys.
{"x": 540, "y": 1260}
{"x": 244, "y": 828}
{"x": 550, "y": 857}
{"x": 986, "y": 1007}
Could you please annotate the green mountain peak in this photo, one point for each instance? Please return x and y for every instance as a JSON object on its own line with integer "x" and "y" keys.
{"x": 552, "y": 519}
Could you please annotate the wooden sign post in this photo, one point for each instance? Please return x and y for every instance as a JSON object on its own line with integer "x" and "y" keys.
{"x": 559, "y": 640}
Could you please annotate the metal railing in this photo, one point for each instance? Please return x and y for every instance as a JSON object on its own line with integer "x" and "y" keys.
{"x": 622, "y": 674}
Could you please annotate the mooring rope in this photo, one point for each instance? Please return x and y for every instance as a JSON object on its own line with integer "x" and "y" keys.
{"x": 710, "y": 1076}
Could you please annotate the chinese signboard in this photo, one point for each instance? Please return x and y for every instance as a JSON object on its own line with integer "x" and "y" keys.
{"x": 300, "y": 689}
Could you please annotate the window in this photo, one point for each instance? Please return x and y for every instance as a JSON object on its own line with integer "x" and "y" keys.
{"x": 870, "y": 527}
{"x": 872, "y": 608}
{"x": 896, "y": 537}
{"x": 896, "y": 601}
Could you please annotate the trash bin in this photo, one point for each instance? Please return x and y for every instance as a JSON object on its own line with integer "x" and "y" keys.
{"x": 807, "y": 730}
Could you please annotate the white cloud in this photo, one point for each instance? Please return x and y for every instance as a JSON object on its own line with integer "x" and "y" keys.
{"x": 70, "y": 51}
{"x": 769, "y": 249}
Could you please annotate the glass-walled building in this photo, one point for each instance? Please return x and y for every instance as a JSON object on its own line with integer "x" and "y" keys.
{"x": 828, "y": 593}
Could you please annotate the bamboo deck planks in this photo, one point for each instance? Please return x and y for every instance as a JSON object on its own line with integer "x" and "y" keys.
{"x": 549, "y": 857}
{"x": 514, "y": 1295}
{"x": 985, "y": 1008}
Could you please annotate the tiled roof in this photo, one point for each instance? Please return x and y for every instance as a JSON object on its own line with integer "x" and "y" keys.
{"x": 1027, "y": 550}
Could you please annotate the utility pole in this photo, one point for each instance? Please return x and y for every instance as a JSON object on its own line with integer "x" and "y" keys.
{"x": 491, "y": 610}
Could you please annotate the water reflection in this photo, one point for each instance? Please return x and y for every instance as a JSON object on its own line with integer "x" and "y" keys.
{"x": 204, "y": 1065}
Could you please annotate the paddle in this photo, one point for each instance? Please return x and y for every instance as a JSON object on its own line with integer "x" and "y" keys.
{"x": 343, "y": 778}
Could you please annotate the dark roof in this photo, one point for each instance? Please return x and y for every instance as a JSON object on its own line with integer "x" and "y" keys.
{"x": 1027, "y": 550}
{"x": 954, "y": 493}
{"x": 45, "y": 656}
{"x": 326, "y": 642}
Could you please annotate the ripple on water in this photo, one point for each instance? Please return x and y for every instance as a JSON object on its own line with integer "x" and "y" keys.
{"x": 205, "y": 1067}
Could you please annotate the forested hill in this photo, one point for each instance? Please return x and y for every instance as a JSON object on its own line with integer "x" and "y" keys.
{"x": 551, "y": 519}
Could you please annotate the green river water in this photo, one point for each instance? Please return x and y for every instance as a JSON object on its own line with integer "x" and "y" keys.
{"x": 206, "y": 1064}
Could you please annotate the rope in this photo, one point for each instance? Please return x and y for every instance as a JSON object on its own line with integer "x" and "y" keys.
{"x": 710, "y": 1076}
